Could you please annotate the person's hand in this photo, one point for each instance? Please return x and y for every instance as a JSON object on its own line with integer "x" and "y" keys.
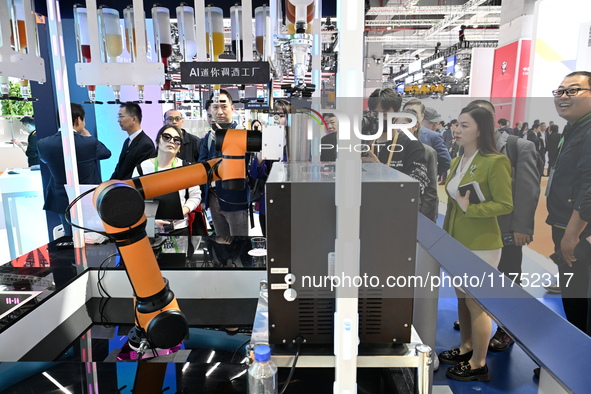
{"x": 463, "y": 202}
{"x": 160, "y": 224}
{"x": 223, "y": 239}
{"x": 16, "y": 142}
{"x": 521, "y": 239}
{"x": 567, "y": 248}
{"x": 259, "y": 156}
{"x": 369, "y": 157}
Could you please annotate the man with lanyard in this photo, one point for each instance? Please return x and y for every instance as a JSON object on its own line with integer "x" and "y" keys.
{"x": 229, "y": 208}
{"x": 569, "y": 180}
{"x": 400, "y": 153}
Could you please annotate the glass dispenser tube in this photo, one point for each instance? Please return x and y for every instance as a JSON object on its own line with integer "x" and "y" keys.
{"x": 110, "y": 33}
{"x": 83, "y": 39}
{"x": 236, "y": 27}
{"x": 262, "y": 28}
{"x": 163, "y": 42}
{"x": 186, "y": 22}
{"x": 214, "y": 31}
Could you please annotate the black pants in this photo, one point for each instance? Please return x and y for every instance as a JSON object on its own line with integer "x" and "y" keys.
{"x": 510, "y": 264}
{"x": 574, "y": 296}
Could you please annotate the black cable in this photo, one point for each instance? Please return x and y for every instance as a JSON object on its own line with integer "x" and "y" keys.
{"x": 101, "y": 269}
{"x": 69, "y": 220}
{"x": 238, "y": 348}
{"x": 106, "y": 296}
{"x": 293, "y": 366}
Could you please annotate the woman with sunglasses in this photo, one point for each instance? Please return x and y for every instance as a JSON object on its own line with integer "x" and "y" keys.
{"x": 168, "y": 144}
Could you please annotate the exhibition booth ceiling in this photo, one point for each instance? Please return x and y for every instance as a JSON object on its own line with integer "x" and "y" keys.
{"x": 404, "y": 29}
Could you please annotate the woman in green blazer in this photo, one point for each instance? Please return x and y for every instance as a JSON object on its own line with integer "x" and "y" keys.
{"x": 475, "y": 226}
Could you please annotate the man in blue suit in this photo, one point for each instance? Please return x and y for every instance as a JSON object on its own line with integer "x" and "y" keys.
{"x": 431, "y": 138}
{"x": 137, "y": 147}
{"x": 89, "y": 151}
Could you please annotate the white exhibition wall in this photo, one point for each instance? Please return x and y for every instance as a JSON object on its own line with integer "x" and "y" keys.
{"x": 558, "y": 48}
{"x": 481, "y": 72}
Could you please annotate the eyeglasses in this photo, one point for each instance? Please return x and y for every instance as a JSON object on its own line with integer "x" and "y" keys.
{"x": 121, "y": 116}
{"x": 569, "y": 92}
{"x": 174, "y": 118}
{"x": 167, "y": 137}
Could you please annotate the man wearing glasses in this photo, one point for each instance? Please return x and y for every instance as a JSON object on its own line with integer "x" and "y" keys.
{"x": 137, "y": 147}
{"x": 191, "y": 143}
{"x": 569, "y": 180}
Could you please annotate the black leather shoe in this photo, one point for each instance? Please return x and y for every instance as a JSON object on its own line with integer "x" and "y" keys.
{"x": 457, "y": 325}
{"x": 453, "y": 356}
{"x": 464, "y": 373}
{"x": 500, "y": 341}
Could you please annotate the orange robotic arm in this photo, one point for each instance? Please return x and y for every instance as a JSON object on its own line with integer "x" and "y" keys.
{"x": 120, "y": 205}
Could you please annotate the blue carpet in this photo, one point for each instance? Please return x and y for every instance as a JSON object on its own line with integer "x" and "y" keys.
{"x": 511, "y": 371}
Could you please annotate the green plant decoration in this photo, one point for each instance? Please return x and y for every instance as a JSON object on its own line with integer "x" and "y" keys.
{"x": 13, "y": 107}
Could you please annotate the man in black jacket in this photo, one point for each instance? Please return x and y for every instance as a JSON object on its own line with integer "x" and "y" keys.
{"x": 191, "y": 143}
{"x": 568, "y": 183}
{"x": 401, "y": 153}
{"x": 504, "y": 126}
{"x": 229, "y": 208}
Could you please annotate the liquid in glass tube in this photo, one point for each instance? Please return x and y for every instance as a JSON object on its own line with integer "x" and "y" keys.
{"x": 218, "y": 44}
{"x": 234, "y": 48}
{"x": 114, "y": 45}
{"x": 128, "y": 44}
{"x": 22, "y": 35}
{"x": 260, "y": 44}
{"x": 85, "y": 49}
{"x": 165, "y": 50}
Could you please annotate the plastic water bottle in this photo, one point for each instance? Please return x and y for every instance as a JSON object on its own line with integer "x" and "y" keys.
{"x": 262, "y": 374}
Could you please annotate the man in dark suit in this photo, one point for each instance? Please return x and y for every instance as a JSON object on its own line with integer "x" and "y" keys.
{"x": 553, "y": 140}
{"x": 517, "y": 129}
{"x": 89, "y": 151}
{"x": 29, "y": 147}
{"x": 535, "y": 136}
{"x": 191, "y": 143}
{"x": 137, "y": 147}
{"x": 448, "y": 134}
{"x": 430, "y": 137}
{"x": 504, "y": 126}
{"x": 543, "y": 137}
